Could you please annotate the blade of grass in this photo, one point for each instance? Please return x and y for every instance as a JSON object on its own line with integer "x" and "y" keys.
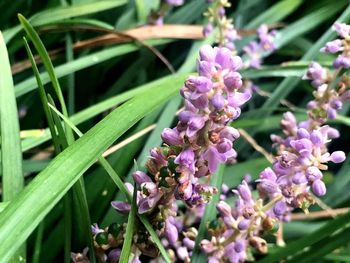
{"x": 275, "y": 13}
{"x": 61, "y": 13}
{"x": 118, "y": 181}
{"x": 320, "y": 249}
{"x": 115, "y": 177}
{"x": 48, "y": 187}
{"x": 100, "y": 107}
{"x": 82, "y": 63}
{"x": 60, "y": 142}
{"x": 38, "y": 242}
{"x": 155, "y": 237}
{"x": 43, "y": 96}
{"x": 209, "y": 215}
{"x": 11, "y": 153}
{"x": 300, "y": 244}
{"x": 80, "y": 206}
{"x": 129, "y": 232}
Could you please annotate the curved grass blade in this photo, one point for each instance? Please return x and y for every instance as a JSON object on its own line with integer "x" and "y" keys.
{"x": 129, "y": 232}
{"x": 82, "y": 63}
{"x": 48, "y": 187}
{"x": 298, "y": 245}
{"x": 80, "y": 206}
{"x": 115, "y": 177}
{"x": 118, "y": 181}
{"x": 155, "y": 238}
{"x": 61, "y": 13}
{"x": 11, "y": 153}
{"x": 100, "y": 107}
{"x": 275, "y": 13}
{"x": 320, "y": 249}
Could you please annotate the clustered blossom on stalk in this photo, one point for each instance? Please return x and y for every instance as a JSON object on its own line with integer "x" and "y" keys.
{"x": 256, "y": 49}
{"x": 201, "y": 140}
{"x": 191, "y": 153}
{"x": 341, "y": 44}
{"x": 216, "y": 15}
{"x": 301, "y": 157}
{"x": 157, "y": 17}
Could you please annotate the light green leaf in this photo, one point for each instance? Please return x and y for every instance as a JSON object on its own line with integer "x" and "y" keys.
{"x": 11, "y": 153}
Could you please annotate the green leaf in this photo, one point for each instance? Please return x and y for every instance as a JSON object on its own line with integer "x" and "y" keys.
{"x": 65, "y": 12}
{"x": 275, "y": 13}
{"x": 100, "y": 107}
{"x": 81, "y": 63}
{"x": 209, "y": 215}
{"x": 11, "y": 153}
{"x": 155, "y": 238}
{"x": 322, "y": 248}
{"x": 105, "y": 164}
{"x": 48, "y": 187}
{"x": 122, "y": 188}
{"x": 65, "y": 137}
{"x": 310, "y": 21}
{"x": 302, "y": 243}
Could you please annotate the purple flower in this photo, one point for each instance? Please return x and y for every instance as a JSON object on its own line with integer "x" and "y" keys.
{"x": 114, "y": 255}
{"x": 208, "y": 29}
{"x": 342, "y": 62}
{"x": 233, "y": 81}
{"x": 316, "y": 73}
{"x": 171, "y": 136}
{"x": 186, "y": 160}
{"x": 244, "y": 191}
{"x": 95, "y": 229}
{"x": 319, "y": 188}
{"x": 225, "y": 213}
{"x": 141, "y": 177}
{"x": 337, "y": 157}
{"x": 342, "y": 29}
{"x": 175, "y": 2}
{"x": 333, "y": 46}
{"x": 122, "y": 207}
{"x": 171, "y": 232}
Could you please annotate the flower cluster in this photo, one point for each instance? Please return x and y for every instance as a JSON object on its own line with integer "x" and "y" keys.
{"x": 191, "y": 153}
{"x": 341, "y": 44}
{"x": 237, "y": 228}
{"x": 256, "y": 49}
{"x": 301, "y": 158}
{"x": 216, "y": 15}
{"x": 201, "y": 140}
{"x": 327, "y": 101}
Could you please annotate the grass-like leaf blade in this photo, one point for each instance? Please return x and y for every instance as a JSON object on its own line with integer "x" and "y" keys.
{"x": 11, "y": 153}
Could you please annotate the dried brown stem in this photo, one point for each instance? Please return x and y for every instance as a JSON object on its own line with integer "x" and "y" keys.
{"x": 135, "y": 34}
{"x": 320, "y": 214}
{"x": 128, "y": 140}
{"x": 255, "y": 145}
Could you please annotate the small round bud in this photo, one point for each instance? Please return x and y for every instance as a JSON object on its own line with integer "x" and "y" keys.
{"x": 114, "y": 229}
{"x": 102, "y": 238}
